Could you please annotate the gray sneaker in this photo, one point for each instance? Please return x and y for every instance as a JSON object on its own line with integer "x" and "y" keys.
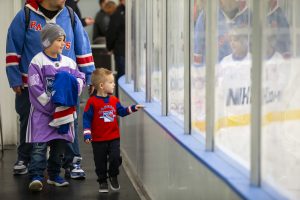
{"x": 114, "y": 184}
{"x": 103, "y": 188}
{"x": 20, "y": 168}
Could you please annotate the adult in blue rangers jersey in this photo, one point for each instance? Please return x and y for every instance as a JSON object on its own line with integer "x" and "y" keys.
{"x": 23, "y": 43}
{"x": 231, "y": 13}
{"x": 278, "y": 23}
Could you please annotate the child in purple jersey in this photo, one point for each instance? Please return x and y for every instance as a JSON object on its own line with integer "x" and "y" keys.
{"x": 43, "y": 69}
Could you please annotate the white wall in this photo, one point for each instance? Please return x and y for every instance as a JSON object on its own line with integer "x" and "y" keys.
{"x": 89, "y": 8}
{"x": 8, "y": 9}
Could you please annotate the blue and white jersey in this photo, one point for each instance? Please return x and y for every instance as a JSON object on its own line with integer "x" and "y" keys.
{"x": 24, "y": 43}
{"x": 280, "y": 26}
{"x": 241, "y": 19}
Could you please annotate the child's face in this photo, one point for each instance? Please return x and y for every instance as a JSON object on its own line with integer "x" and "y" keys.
{"x": 237, "y": 45}
{"x": 58, "y": 45}
{"x": 109, "y": 85}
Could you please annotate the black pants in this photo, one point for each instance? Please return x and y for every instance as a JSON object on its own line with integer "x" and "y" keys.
{"x": 22, "y": 106}
{"x": 103, "y": 152}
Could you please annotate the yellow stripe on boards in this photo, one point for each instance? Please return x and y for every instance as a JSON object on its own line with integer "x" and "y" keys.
{"x": 244, "y": 120}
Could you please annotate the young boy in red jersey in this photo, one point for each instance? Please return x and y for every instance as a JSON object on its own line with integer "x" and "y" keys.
{"x": 101, "y": 128}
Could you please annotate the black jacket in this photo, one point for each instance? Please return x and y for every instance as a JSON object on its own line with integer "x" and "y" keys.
{"x": 115, "y": 35}
{"x": 73, "y": 5}
{"x": 100, "y": 25}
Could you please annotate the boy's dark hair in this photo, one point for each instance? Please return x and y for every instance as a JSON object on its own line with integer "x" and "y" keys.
{"x": 101, "y": 1}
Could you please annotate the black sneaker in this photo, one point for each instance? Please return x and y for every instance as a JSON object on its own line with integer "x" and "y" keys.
{"x": 67, "y": 173}
{"x": 103, "y": 188}
{"x": 114, "y": 184}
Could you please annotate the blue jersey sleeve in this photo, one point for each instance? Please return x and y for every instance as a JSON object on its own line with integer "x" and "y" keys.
{"x": 83, "y": 52}
{"x": 124, "y": 111}
{"x": 14, "y": 47}
{"x": 88, "y": 117}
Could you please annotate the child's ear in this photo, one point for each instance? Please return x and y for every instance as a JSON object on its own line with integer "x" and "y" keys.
{"x": 101, "y": 85}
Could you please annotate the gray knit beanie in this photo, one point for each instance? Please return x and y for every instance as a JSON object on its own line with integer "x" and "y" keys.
{"x": 50, "y": 33}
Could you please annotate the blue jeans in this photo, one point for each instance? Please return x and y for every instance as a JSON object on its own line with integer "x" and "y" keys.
{"x": 72, "y": 149}
{"x": 22, "y": 106}
{"x": 38, "y": 162}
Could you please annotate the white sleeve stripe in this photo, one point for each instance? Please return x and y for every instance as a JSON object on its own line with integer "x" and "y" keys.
{"x": 87, "y": 131}
{"x": 12, "y": 64}
{"x": 129, "y": 109}
{"x": 61, "y": 108}
{"x": 43, "y": 99}
{"x": 80, "y": 81}
{"x": 87, "y": 64}
{"x": 13, "y": 54}
{"x": 85, "y": 55}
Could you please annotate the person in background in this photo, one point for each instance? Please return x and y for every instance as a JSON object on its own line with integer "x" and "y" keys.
{"x": 231, "y": 13}
{"x": 110, "y": 7}
{"x": 115, "y": 39}
{"x": 101, "y": 21}
{"x": 22, "y": 46}
{"x": 100, "y": 127}
{"x": 85, "y": 21}
{"x": 43, "y": 71}
{"x": 277, "y": 21}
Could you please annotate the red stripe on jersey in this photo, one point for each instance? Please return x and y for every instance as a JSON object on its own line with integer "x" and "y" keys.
{"x": 25, "y": 79}
{"x": 12, "y": 59}
{"x": 64, "y": 113}
{"x": 84, "y": 60}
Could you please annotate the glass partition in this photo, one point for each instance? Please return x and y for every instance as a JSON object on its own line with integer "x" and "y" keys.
{"x": 156, "y": 75}
{"x": 233, "y": 83}
{"x": 281, "y": 97}
{"x": 142, "y": 45}
{"x": 175, "y": 58}
{"x": 198, "y": 68}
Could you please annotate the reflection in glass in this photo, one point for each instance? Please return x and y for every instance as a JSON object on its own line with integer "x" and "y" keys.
{"x": 157, "y": 47}
{"x": 281, "y": 100}
{"x": 233, "y": 80}
{"x": 175, "y": 58}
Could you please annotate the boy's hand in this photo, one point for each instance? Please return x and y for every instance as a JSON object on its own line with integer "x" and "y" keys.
{"x": 138, "y": 107}
{"x": 18, "y": 90}
{"x": 87, "y": 138}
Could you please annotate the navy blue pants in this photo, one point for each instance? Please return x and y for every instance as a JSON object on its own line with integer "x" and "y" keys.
{"x": 72, "y": 149}
{"x": 106, "y": 152}
{"x": 22, "y": 106}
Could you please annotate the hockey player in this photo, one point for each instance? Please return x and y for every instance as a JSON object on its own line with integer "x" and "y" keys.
{"x": 231, "y": 13}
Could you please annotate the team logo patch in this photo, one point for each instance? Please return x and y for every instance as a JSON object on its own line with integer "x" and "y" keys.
{"x": 108, "y": 116}
{"x": 49, "y": 85}
{"x": 68, "y": 45}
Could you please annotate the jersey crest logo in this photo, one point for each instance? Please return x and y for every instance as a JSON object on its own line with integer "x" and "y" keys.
{"x": 35, "y": 26}
{"x": 49, "y": 85}
{"x": 68, "y": 45}
{"x": 108, "y": 116}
